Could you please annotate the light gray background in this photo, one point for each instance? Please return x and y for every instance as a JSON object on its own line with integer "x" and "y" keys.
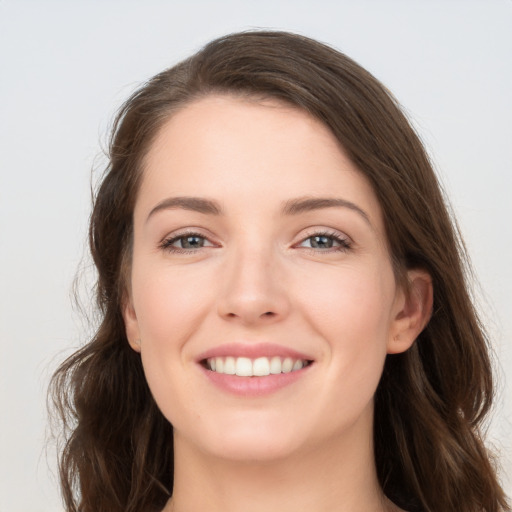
{"x": 66, "y": 66}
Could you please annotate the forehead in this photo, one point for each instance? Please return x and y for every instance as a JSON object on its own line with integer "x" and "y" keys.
{"x": 217, "y": 119}
{"x": 250, "y": 150}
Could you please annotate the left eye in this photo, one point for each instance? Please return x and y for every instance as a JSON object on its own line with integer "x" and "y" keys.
{"x": 325, "y": 241}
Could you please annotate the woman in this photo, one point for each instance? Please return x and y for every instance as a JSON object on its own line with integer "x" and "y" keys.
{"x": 281, "y": 282}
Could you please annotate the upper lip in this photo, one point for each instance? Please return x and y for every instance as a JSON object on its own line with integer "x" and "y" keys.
{"x": 252, "y": 351}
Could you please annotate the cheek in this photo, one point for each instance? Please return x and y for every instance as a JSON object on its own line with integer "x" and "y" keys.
{"x": 168, "y": 305}
{"x": 349, "y": 304}
{"x": 351, "y": 311}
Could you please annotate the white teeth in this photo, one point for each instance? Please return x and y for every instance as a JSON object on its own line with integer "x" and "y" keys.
{"x": 275, "y": 365}
{"x": 243, "y": 367}
{"x": 230, "y": 366}
{"x": 287, "y": 365}
{"x": 297, "y": 365}
{"x": 260, "y": 367}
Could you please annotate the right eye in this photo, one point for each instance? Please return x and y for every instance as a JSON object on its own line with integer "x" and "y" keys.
{"x": 187, "y": 242}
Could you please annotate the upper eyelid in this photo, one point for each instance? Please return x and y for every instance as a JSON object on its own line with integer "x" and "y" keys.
{"x": 192, "y": 231}
{"x": 316, "y": 231}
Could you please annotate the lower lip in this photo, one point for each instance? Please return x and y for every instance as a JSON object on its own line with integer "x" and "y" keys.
{"x": 254, "y": 386}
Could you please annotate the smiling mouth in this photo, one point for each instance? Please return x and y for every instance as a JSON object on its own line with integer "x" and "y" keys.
{"x": 259, "y": 367}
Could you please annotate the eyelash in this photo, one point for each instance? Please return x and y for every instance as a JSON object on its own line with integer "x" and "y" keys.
{"x": 167, "y": 243}
{"x": 344, "y": 242}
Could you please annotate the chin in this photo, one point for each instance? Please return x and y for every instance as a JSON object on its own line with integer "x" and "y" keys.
{"x": 252, "y": 440}
{"x": 254, "y": 449}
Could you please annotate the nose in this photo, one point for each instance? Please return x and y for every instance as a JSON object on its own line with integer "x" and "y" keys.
{"x": 253, "y": 289}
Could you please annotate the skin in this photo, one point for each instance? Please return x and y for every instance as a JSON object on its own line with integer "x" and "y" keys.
{"x": 258, "y": 277}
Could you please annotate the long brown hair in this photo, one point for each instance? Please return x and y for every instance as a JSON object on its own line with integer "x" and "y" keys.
{"x": 431, "y": 401}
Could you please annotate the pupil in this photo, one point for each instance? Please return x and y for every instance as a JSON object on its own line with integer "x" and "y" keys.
{"x": 191, "y": 242}
{"x": 321, "y": 242}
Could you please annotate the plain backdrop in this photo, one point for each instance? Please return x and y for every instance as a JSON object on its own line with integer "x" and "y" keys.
{"x": 65, "y": 68}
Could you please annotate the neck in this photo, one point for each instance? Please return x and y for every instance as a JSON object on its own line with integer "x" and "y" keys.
{"x": 334, "y": 478}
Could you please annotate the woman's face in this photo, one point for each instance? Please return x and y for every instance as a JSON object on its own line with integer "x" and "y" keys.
{"x": 260, "y": 249}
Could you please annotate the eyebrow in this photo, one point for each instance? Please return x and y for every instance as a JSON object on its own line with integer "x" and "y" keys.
{"x": 307, "y": 204}
{"x": 291, "y": 207}
{"x": 194, "y": 204}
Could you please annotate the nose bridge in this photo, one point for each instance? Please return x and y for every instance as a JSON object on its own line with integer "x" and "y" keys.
{"x": 252, "y": 288}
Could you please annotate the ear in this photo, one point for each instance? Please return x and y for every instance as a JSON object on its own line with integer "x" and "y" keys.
{"x": 131, "y": 325}
{"x": 413, "y": 310}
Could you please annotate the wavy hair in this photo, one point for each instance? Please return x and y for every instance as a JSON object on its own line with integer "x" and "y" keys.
{"x": 431, "y": 400}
